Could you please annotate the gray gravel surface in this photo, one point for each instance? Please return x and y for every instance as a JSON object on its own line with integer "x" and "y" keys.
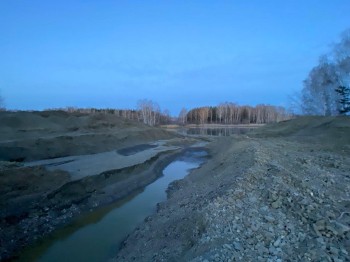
{"x": 257, "y": 199}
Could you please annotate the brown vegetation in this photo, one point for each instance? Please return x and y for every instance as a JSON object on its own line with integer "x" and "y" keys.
{"x": 230, "y": 113}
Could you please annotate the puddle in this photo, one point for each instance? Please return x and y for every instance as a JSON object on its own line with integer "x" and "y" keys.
{"x": 97, "y": 236}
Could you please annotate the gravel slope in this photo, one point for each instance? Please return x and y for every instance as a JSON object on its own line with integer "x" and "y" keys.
{"x": 280, "y": 194}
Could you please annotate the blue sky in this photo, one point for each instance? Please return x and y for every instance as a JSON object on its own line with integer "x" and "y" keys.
{"x": 177, "y": 53}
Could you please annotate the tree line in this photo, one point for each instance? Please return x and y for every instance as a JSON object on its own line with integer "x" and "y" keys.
{"x": 326, "y": 90}
{"x": 231, "y": 113}
{"x": 149, "y": 113}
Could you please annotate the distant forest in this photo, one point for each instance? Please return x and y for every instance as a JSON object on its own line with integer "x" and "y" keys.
{"x": 227, "y": 113}
{"x": 230, "y": 113}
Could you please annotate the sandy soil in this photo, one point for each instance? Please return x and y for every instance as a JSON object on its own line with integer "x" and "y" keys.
{"x": 281, "y": 193}
{"x": 81, "y": 166}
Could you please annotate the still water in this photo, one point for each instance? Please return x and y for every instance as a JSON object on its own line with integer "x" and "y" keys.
{"x": 215, "y": 131}
{"x": 97, "y": 236}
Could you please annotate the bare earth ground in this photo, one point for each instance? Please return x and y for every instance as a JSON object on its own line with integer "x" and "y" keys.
{"x": 281, "y": 193}
{"x": 55, "y": 166}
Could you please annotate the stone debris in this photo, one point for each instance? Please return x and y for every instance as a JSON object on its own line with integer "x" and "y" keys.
{"x": 258, "y": 205}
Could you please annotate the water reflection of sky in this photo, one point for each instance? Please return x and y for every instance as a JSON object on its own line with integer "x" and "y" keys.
{"x": 99, "y": 241}
{"x": 221, "y": 131}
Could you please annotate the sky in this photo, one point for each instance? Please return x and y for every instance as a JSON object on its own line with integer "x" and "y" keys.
{"x": 111, "y": 54}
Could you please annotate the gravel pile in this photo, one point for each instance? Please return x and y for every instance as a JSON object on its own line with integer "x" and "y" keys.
{"x": 257, "y": 199}
{"x": 275, "y": 213}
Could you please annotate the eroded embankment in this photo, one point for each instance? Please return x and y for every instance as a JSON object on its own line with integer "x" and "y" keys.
{"x": 259, "y": 198}
{"x": 104, "y": 230}
{"x": 36, "y": 198}
{"x": 30, "y": 136}
{"x": 30, "y": 211}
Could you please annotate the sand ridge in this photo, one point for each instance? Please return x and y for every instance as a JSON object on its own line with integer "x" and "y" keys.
{"x": 81, "y": 166}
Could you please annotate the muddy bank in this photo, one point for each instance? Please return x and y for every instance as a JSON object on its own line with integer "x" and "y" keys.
{"x": 35, "y": 201}
{"x": 45, "y": 191}
{"x": 279, "y": 194}
{"x": 80, "y": 166}
{"x": 104, "y": 231}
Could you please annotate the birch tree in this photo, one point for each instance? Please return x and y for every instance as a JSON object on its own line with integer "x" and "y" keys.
{"x": 150, "y": 112}
{"x": 183, "y": 116}
{"x": 319, "y": 95}
{"x": 2, "y": 103}
{"x": 220, "y": 112}
{"x": 2, "y": 106}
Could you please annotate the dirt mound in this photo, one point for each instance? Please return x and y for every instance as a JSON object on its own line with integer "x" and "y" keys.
{"x": 333, "y": 131}
{"x": 27, "y": 136}
{"x": 57, "y": 121}
{"x": 24, "y": 121}
{"x": 307, "y": 126}
{"x": 36, "y": 200}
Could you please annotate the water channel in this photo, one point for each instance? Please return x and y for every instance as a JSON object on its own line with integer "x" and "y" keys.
{"x": 97, "y": 236}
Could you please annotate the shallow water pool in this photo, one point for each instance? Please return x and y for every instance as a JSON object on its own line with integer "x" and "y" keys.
{"x": 97, "y": 236}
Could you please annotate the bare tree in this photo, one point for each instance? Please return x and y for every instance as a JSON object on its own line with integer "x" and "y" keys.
{"x": 319, "y": 95}
{"x": 341, "y": 49}
{"x": 155, "y": 113}
{"x": 165, "y": 117}
{"x": 150, "y": 112}
{"x": 2, "y": 103}
{"x": 230, "y": 113}
{"x": 220, "y": 112}
{"x": 295, "y": 103}
{"x": 183, "y": 116}
{"x": 203, "y": 115}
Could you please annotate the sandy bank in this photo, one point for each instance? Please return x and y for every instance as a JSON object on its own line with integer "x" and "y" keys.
{"x": 81, "y": 166}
